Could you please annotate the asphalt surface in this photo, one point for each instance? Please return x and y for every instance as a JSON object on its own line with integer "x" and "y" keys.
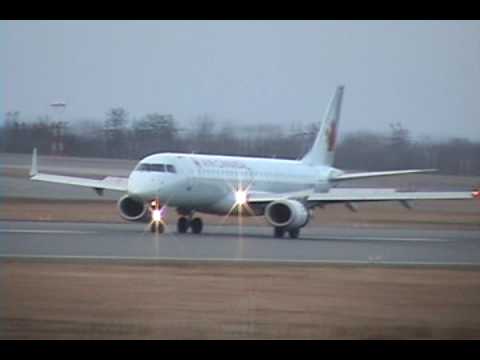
{"x": 230, "y": 243}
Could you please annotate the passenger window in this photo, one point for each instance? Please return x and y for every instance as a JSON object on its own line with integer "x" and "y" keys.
{"x": 171, "y": 169}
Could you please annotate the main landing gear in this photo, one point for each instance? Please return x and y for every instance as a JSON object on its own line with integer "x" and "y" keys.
{"x": 184, "y": 223}
{"x": 279, "y": 232}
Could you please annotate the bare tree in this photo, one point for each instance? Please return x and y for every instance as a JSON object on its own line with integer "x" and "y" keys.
{"x": 116, "y": 133}
{"x": 400, "y": 146}
{"x": 155, "y": 133}
{"x": 159, "y": 133}
{"x": 203, "y": 135}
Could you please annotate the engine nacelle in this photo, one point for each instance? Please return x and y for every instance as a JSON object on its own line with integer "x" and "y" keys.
{"x": 132, "y": 209}
{"x": 289, "y": 214}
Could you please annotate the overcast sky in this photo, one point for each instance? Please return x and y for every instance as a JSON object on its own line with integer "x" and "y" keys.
{"x": 421, "y": 73}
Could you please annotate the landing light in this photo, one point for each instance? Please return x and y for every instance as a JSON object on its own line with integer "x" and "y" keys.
{"x": 157, "y": 215}
{"x": 241, "y": 197}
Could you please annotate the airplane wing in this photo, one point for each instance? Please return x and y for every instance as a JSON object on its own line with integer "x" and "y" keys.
{"x": 108, "y": 183}
{"x": 255, "y": 197}
{"x": 362, "y": 175}
{"x": 361, "y": 195}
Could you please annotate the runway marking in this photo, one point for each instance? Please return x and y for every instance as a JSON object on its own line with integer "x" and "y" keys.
{"x": 38, "y": 231}
{"x": 369, "y": 238}
{"x": 145, "y": 260}
{"x": 326, "y": 238}
{"x": 322, "y": 237}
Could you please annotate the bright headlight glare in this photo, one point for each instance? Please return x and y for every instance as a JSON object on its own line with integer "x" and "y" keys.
{"x": 241, "y": 197}
{"x": 157, "y": 215}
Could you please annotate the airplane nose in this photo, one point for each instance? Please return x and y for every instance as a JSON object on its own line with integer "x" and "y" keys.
{"x": 145, "y": 186}
{"x": 139, "y": 185}
{"x": 134, "y": 187}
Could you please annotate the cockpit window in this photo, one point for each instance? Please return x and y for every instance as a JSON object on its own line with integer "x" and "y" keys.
{"x": 156, "y": 168}
{"x": 143, "y": 167}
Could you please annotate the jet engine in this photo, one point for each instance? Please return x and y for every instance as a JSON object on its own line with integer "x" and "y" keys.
{"x": 132, "y": 209}
{"x": 289, "y": 214}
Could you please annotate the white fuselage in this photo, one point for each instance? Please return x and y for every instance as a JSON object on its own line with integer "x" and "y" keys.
{"x": 207, "y": 183}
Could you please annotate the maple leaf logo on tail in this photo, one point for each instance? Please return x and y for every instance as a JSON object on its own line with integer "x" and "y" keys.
{"x": 323, "y": 149}
{"x": 331, "y": 133}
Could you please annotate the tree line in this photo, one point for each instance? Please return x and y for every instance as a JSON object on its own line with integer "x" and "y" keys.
{"x": 121, "y": 137}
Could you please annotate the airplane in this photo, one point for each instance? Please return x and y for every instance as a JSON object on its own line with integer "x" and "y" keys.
{"x": 284, "y": 191}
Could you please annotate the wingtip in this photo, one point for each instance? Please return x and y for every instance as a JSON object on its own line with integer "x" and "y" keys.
{"x": 428, "y": 170}
{"x": 33, "y": 169}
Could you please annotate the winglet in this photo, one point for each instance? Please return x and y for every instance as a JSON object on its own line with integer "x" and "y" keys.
{"x": 33, "y": 169}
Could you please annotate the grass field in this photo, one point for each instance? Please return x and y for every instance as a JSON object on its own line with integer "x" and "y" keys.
{"x": 214, "y": 301}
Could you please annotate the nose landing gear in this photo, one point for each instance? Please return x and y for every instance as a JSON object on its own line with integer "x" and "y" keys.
{"x": 157, "y": 224}
{"x": 157, "y": 227}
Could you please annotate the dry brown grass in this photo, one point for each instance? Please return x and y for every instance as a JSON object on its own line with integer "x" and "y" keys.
{"x": 205, "y": 301}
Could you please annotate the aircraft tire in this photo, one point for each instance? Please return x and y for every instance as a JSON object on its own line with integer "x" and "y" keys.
{"x": 294, "y": 233}
{"x": 278, "y": 232}
{"x": 182, "y": 225}
{"x": 196, "y": 225}
{"x": 157, "y": 227}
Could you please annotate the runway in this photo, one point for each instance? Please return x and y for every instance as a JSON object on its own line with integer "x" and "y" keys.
{"x": 64, "y": 240}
